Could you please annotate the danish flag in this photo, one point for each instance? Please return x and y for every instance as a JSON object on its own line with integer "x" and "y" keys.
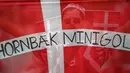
{"x": 24, "y": 21}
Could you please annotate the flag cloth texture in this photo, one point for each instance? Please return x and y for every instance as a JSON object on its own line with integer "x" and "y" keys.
{"x": 64, "y": 36}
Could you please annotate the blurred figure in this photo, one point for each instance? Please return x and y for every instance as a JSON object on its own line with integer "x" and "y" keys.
{"x": 74, "y": 17}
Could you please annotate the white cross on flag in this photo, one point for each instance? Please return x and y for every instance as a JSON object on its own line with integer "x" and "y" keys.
{"x": 64, "y": 36}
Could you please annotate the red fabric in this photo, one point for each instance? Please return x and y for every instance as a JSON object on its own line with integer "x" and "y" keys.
{"x": 75, "y": 60}
{"x": 16, "y": 20}
{"x": 21, "y": 19}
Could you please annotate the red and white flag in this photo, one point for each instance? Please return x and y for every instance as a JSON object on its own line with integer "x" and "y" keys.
{"x": 64, "y": 36}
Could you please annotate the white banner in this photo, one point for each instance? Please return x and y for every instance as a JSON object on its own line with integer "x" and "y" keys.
{"x": 78, "y": 37}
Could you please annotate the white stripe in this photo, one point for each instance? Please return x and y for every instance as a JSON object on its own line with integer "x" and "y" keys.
{"x": 60, "y": 43}
{"x": 51, "y": 9}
